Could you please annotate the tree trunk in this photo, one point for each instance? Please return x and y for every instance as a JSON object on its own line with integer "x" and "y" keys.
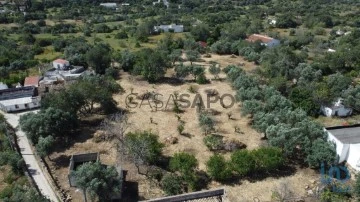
{"x": 84, "y": 193}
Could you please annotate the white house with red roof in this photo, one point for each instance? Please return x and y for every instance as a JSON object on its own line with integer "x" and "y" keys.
{"x": 61, "y": 64}
{"x": 264, "y": 40}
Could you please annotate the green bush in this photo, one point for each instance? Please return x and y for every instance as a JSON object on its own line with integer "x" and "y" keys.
{"x": 214, "y": 142}
{"x": 268, "y": 159}
{"x": 218, "y": 168}
{"x": 201, "y": 79}
{"x": 242, "y": 162}
{"x": 183, "y": 162}
{"x": 172, "y": 184}
{"x": 186, "y": 164}
{"x": 206, "y": 122}
{"x": 6, "y": 192}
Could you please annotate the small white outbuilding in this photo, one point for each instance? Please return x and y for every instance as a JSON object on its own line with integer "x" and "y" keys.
{"x": 336, "y": 109}
{"x": 60, "y": 64}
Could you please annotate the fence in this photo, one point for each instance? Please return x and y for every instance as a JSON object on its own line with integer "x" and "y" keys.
{"x": 216, "y": 195}
{"x": 80, "y": 159}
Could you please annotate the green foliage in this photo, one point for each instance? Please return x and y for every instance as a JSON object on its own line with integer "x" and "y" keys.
{"x": 215, "y": 70}
{"x": 13, "y": 159}
{"x": 301, "y": 99}
{"x": 351, "y": 97}
{"x": 45, "y": 145}
{"x": 172, "y": 184}
{"x": 50, "y": 121}
{"x": 21, "y": 193}
{"x": 82, "y": 96}
{"x": 268, "y": 159}
{"x": 218, "y": 168}
{"x": 242, "y": 162}
{"x": 183, "y": 162}
{"x": 151, "y": 64}
{"x": 214, "y": 142}
{"x": 206, "y": 122}
{"x": 192, "y": 55}
{"x": 321, "y": 152}
{"x": 126, "y": 59}
{"x": 201, "y": 79}
{"x": 99, "y": 58}
{"x": 98, "y": 180}
{"x": 200, "y": 32}
{"x": 357, "y": 186}
{"x": 143, "y": 147}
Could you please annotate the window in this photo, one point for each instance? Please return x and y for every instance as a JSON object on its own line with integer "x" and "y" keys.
{"x": 26, "y": 106}
{"x": 16, "y": 107}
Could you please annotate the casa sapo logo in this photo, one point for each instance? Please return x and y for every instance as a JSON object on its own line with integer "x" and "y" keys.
{"x": 159, "y": 101}
{"x": 336, "y": 177}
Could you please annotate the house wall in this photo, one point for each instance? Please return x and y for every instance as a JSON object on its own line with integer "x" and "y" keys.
{"x": 57, "y": 65}
{"x": 327, "y": 111}
{"x": 342, "y": 112}
{"x": 19, "y": 107}
{"x": 341, "y": 149}
{"x": 273, "y": 43}
{"x": 354, "y": 156}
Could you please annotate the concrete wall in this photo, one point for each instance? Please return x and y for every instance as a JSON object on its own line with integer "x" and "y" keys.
{"x": 354, "y": 156}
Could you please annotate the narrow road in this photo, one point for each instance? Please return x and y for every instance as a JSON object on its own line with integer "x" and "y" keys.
{"x": 29, "y": 158}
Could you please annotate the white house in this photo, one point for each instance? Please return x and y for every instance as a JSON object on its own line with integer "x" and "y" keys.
{"x": 109, "y": 5}
{"x": 167, "y": 28}
{"x": 19, "y": 104}
{"x": 347, "y": 141}
{"x": 18, "y": 99}
{"x": 265, "y": 40}
{"x": 60, "y": 64}
{"x": 337, "y": 109}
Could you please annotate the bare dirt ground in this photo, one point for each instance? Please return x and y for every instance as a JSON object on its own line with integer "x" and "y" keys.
{"x": 164, "y": 123}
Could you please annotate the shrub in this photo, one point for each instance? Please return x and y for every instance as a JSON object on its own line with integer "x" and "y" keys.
{"x": 268, "y": 159}
{"x": 181, "y": 128}
{"x": 183, "y": 162}
{"x": 218, "y": 168}
{"x": 201, "y": 79}
{"x": 214, "y": 142}
{"x": 206, "y": 122}
{"x": 172, "y": 184}
{"x": 242, "y": 162}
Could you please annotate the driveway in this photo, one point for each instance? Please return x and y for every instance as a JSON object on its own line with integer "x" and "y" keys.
{"x": 29, "y": 158}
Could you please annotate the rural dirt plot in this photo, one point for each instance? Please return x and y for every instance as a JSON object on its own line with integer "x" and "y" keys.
{"x": 164, "y": 123}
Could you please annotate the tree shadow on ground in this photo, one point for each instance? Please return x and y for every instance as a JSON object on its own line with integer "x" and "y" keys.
{"x": 130, "y": 191}
{"x": 171, "y": 81}
{"x": 61, "y": 161}
{"x": 286, "y": 170}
